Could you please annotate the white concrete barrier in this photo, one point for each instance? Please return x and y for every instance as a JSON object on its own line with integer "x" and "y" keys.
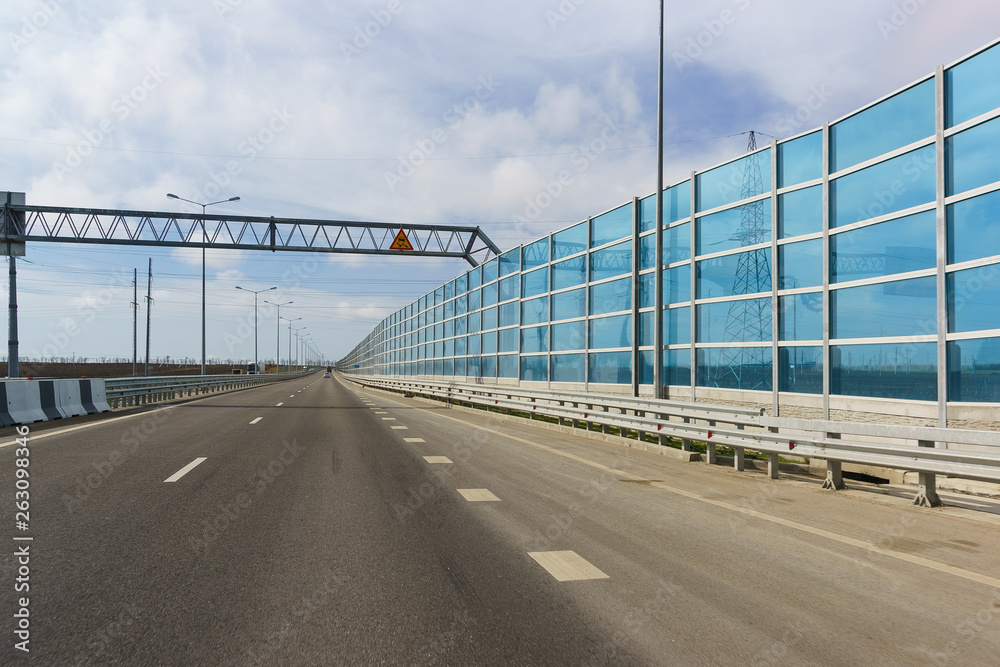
{"x": 29, "y": 401}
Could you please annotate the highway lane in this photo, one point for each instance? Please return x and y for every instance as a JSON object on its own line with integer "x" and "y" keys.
{"x": 321, "y": 534}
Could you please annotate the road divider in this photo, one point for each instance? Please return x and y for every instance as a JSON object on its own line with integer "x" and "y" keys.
{"x": 29, "y": 401}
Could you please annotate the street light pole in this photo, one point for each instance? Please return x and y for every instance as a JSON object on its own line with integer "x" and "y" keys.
{"x": 289, "y": 338}
{"x": 203, "y": 207}
{"x": 277, "y": 335}
{"x": 256, "y": 364}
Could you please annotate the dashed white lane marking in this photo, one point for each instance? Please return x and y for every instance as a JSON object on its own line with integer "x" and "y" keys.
{"x": 437, "y": 459}
{"x": 279, "y": 404}
{"x": 478, "y": 495}
{"x": 185, "y": 470}
{"x": 388, "y": 419}
{"x": 399, "y": 428}
{"x": 292, "y": 396}
{"x": 413, "y": 439}
{"x": 566, "y": 565}
{"x": 381, "y": 412}
{"x": 256, "y": 420}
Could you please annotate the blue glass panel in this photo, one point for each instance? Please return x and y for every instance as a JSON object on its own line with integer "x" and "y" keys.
{"x": 535, "y": 311}
{"x": 439, "y": 295}
{"x": 743, "y": 321}
{"x": 971, "y": 157}
{"x": 569, "y": 241}
{"x": 735, "y": 227}
{"x": 490, "y": 294}
{"x": 507, "y": 366}
{"x": 460, "y": 366}
{"x": 568, "y": 367}
{"x": 646, "y": 333}
{"x": 611, "y": 297}
{"x": 887, "y": 187}
{"x": 896, "y": 122}
{"x": 566, "y": 305}
{"x": 646, "y": 367}
{"x": 894, "y": 370}
{"x": 898, "y": 308}
{"x": 677, "y": 243}
{"x": 490, "y": 271}
{"x": 569, "y": 273}
{"x": 461, "y": 284}
{"x": 611, "y": 226}
{"x": 475, "y": 300}
{"x": 490, "y": 318}
{"x": 610, "y": 262}
{"x": 611, "y": 332}
{"x": 647, "y": 291}
{"x": 490, "y": 342}
{"x": 535, "y": 369}
{"x": 747, "y": 368}
{"x": 610, "y": 367}
{"x": 509, "y": 313}
{"x": 449, "y": 309}
{"x": 460, "y": 327}
{"x": 510, "y": 288}
{"x": 475, "y": 278}
{"x": 676, "y": 205}
{"x": 741, "y": 273}
{"x": 535, "y": 254}
{"x": 438, "y": 367}
{"x": 439, "y": 313}
{"x": 800, "y": 316}
{"x": 725, "y": 185}
{"x": 507, "y": 340}
{"x": 473, "y": 368}
{"x": 800, "y": 264}
{"x": 569, "y": 336}
{"x": 974, "y": 228}
{"x": 535, "y": 339}
{"x": 510, "y": 262}
{"x": 449, "y": 290}
{"x": 800, "y": 160}
{"x": 475, "y": 347}
{"x": 449, "y": 329}
{"x": 974, "y": 299}
{"x": 677, "y": 326}
{"x": 974, "y": 370}
{"x": 536, "y": 282}
{"x": 677, "y": 367}
{"x": 438, "y": 349}
{"x": 800, "y": 369}
{"x": 461, "y": 304}
{"x": 972, "y": 87}
{"x": 449, "y": 348}
{"x": 475, "y": 322}
{"x": 895, "y": 246}
{"x": 677, "y": 284}
{"x": 488, "y": 366}
{"x": 647, "y": 252}
{"x": 800, "y": 212}
{"x": 460, "y": 346}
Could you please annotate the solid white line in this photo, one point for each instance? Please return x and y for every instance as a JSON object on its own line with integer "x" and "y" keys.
{"x": 437, "y": 459}
{"x": 256, "y": 420}
{"x": 478, "y": 495}
{"x": 60, "y": 431}
{"x": 185, "y": 470}
{"x": 567, "y": 565}
{"x": 413, "y": 440}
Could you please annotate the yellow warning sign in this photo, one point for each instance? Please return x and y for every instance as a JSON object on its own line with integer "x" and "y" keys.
{"x": 401, "y": 242}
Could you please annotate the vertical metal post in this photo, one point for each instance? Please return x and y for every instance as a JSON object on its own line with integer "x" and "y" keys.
{"x": 658, "y": 391}
{"x": 694, "y": 286}
{"x": 256, "y": 366}
{"x": 12, "y": 352}
{"x": 203, "y": 294}
{"x": 636, "y": 318}
{"x": 149, "y": 310}
{"x": 942, "y": 253}
{"x": 135, "y": 319}
{"x": 827, "y": 357}
{"x": 775, "y": 284}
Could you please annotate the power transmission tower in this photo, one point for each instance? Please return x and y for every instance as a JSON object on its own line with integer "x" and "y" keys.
{"x": 749, "y": 320}
{"x": 149, "y": 309}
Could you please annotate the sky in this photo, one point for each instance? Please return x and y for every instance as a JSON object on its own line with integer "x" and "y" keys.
{"x": 392, "y": 111}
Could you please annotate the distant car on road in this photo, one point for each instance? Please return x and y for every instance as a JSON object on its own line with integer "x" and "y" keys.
{"x": 327, "y": 374}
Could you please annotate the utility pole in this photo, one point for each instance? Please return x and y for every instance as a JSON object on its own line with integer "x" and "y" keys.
{"x": 149, "y": 309}
{"x": 135, "y": 319}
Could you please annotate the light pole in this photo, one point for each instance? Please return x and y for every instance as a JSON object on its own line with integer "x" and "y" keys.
{"x": 256, "y": 366}
{"x": 297, "y": 344}
{"x": 203, "y": 206}
{"x": 289, "y": 338}
{"x": 277, "y": 335}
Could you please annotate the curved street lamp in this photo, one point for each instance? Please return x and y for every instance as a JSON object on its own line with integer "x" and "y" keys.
{"x": 256, "y": 364}
{"x": 277, "y": 339}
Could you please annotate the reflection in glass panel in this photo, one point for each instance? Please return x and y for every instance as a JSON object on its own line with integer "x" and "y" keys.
{"x": 800, "y": 264}
{"x": 677, "y": 284}
{"x": 974, "y": 370}
{"x": 439, "y": 295}
{"x": 647, "y": 290}
{"x": 475, "y": 300}
{"x": 460, "y": 346}
{"x": 645, "y": 367}
{"x": 569, "y": 336}
{"x": 475, "y": 322}
{"x": 887, "y": 187}
{"x": 490, "y": 271}
{"x": 676, "y": 206}
{"x": 800, "y": 369}
{"x": 893, "y": 370}
{"x": 800, "y": 316}
{"x": 535, "y": 282}
{"x": 535, "y": 369}
{"x": 507, "y": 340}
{"x": 460, "y": 304}
{"x": 677, "y": 326}
{"x": 460, "y": 366}
{"x": 449, "y": 290}
{"x": 677, "y": 367}
{"x": 800, "y": 212}
{"x": 488, "y": 366}
{"x": 507, "y": 366}
{"x": 535, "y": 254}
{"x": 535, "y": 311}
{"x": 510, "y": 262}
{"x": 971, "y": 157}
{"x": 974, "y": 299}
{"x": 747, "y": 368}
{"x": 490, "y": 318}
{"x": 725, "y": 185}
{"x": 895, "y": 246}
{"x": 741, "y": 273}
{"x": 610, "y": 262}
{"x": 475, "y": 348}
{"x": 510, "y": 288}
{"x": 972, "y": 87}
{"x": 490, "y": 342}
{"x": 677, "y": 243}
{"x": 568, "y": 367}
{"x": 566, "y": 305}
{"x": 461, "y": 284}
{"x": 460, "y": 326}
{"x": 475, "y": 278}
{"x": 611, "y": 332}
{"x": 800, "y": 160}
{"x": 438, "y": 367}
{"x": 570, "y": 273}
{"x": 449, "y": 328}
{"x": 610, "y": 367}
{"x": 611, "y": 226}
{"x": 896, "y": 122}
{"x": 734, "y": 228}
{"x": 646, "y": 333}
{"x": 974, "y": 228}
{"x": 569, "y": 241}
{"x": 611, "y": 297}
{"x": 898, "y": 308}
{"x": 472, "y": 367}
{"x": 535, "y": 339}
{"x": 449, "y": 309}
{"x": 743, "y": 321}
{"x": 647, "y": 252}
{"x": 509, "y": 313}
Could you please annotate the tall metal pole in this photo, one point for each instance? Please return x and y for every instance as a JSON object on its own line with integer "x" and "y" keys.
{"x": 659, "y": 392}
{"x": 256, "y": 365}
{"x": 135, "y": 319}
{"x": 12, "y": 367}
{"x": 149, "y": 310}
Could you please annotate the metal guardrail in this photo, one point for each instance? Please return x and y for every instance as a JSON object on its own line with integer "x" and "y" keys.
{"x": 132, "y": 391}
{"x": 955, "y": 452}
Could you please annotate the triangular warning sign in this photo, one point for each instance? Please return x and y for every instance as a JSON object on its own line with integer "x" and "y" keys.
{"x": 401, "y": 242}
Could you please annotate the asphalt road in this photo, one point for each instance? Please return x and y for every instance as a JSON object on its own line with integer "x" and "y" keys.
{"x": 303, "y": 523}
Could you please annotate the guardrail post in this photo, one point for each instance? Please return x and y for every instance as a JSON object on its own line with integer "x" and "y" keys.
{"x": 710, "y": 455}
{"x": 739, "y": 455}
{"x": 662, "y": 439}
{"x": 773, "y": 464}
{"x": 686, "y": 442}
{"x": 927, "y": 494}
{"x": 834, "y": 471}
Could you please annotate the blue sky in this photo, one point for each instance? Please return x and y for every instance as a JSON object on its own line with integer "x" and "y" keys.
{"x": 312, "y": 106}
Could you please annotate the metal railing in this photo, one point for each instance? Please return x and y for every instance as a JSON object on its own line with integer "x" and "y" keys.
{"x": 133, "y": 391}
{"x": 927, "y": 451}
